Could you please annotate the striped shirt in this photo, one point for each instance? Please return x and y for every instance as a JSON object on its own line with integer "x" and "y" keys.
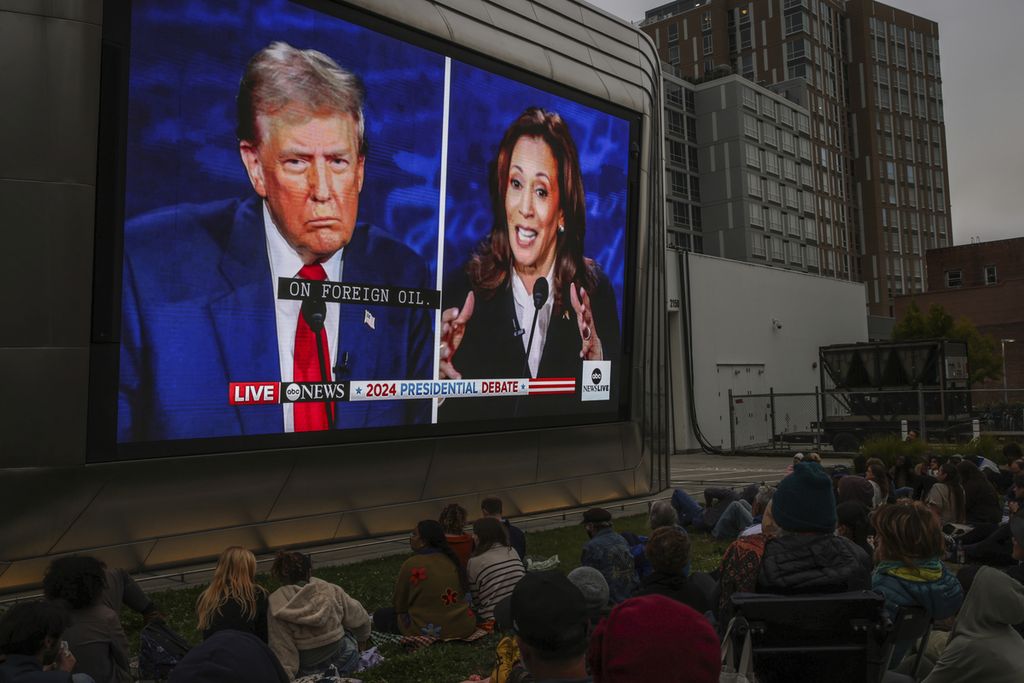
{"x": 492, "y": 576}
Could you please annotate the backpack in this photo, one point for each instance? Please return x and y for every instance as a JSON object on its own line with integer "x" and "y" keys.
{"x": 160, "y": 650}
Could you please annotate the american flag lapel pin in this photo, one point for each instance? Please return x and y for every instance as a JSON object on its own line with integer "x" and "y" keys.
{"x": 369, "y": 320}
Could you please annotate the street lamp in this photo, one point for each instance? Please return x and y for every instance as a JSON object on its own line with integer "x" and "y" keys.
{"x": 1002, "y": 344}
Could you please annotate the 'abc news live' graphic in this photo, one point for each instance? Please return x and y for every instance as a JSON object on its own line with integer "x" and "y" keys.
{"x": 405, "y": 197}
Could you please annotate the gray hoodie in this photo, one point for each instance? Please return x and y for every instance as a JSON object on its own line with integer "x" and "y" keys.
{"x": 983, "y": 645}
{"x": 312, "y": 615}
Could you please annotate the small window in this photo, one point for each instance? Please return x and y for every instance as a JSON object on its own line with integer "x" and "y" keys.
{"x": 954, "y": 278}
{"x": 990, "y": 275}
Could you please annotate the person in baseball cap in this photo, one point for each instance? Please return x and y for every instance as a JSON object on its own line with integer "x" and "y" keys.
{"x": 548, "y": 615}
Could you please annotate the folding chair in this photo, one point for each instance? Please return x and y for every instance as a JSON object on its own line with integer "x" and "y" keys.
{"x": 835, "y": 637}
{"x": 911, "y": 623}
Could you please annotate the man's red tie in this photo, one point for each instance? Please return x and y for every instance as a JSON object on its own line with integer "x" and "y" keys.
{"x": 306, "y": 368}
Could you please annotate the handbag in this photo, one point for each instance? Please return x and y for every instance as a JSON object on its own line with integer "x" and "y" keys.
{"x": 730, "y": 673}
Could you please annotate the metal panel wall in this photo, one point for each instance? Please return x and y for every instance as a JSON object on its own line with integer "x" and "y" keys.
{"x": 161, "y": 512}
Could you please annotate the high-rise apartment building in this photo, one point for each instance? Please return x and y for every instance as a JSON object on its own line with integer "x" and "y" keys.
{"x": 682, "y": 167}
{"x": 898, "y": 147}
{"x": 828, "y": 56}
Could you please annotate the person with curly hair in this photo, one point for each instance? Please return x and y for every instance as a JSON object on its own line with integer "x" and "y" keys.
{"x": 668, "y": 549}
{"x": 453, "y": 520}
{"x": 233, "y": 599}
{"x": 315, "y": 627}
{"x": 95, "y": 636}
{"x": 31, "y": 645}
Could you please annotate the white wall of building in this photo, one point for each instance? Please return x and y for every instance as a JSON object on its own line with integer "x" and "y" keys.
{"x": 754, "y": 328}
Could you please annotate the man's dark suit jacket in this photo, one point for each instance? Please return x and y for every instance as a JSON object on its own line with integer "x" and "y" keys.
{"x": 198, "y": 313}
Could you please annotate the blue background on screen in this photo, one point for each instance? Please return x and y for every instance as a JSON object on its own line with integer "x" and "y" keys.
{"x": 186, "y": 63}
{"x": 483, "y": 105}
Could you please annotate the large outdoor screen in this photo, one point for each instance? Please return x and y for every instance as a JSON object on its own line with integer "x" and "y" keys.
{"x": 336, "y": 229}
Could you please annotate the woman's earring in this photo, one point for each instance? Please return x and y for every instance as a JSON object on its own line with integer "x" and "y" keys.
{"x": 561, "y": 228}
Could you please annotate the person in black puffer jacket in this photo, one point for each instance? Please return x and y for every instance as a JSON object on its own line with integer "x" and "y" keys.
{"x": 807, "y": 557}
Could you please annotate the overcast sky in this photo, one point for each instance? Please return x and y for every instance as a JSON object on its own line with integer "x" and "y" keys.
{"x": 983, "y": 90}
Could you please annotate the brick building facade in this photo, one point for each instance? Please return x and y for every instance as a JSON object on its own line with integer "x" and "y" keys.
{"x": 983, "y": 282}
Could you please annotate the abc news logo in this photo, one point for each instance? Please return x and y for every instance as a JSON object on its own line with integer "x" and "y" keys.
{"x": 596, "y": 385}
{"x": 265, "y": 393}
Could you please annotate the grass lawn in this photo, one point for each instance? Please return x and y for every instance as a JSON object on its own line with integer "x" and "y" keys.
{"x": 372, "y": 582}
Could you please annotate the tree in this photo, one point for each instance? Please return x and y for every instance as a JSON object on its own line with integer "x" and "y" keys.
{"x": 982, "y": 357}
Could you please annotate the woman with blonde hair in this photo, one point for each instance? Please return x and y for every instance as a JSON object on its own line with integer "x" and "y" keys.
{"x": 234, "y": 600}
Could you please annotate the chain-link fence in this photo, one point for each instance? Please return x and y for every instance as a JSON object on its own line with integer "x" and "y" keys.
{"x": 842, "y": 420}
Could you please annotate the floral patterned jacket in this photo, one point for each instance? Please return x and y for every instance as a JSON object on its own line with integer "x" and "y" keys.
{"x": 428, "y": 599}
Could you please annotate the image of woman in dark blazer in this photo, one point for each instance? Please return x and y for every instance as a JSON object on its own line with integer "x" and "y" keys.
{"x": 538, "y": 233}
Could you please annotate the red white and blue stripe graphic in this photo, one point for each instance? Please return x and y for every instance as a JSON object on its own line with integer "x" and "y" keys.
{"x": 546, "y": 385}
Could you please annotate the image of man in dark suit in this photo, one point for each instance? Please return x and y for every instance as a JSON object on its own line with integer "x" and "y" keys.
{"x": 200, "y": 307}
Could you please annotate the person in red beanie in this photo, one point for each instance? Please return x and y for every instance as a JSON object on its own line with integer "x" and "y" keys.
{"x": 654, "y": 638}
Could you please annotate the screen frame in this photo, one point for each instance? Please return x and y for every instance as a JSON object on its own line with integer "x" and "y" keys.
{"x": 104, "y": 359}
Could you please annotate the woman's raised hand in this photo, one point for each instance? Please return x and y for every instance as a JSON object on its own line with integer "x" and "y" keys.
{"x": 590, "y": 348}
{"x": 453, "y": 329}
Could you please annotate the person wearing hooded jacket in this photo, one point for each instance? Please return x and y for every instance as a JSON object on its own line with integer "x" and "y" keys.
{"x": 314, "y": 626}
{"x": 983, "y": 645}
{"x": 806, "y": 556}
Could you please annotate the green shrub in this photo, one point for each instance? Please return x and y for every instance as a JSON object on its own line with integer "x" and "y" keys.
{"x": 888, "y": 447}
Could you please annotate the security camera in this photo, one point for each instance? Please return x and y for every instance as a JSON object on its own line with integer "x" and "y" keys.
{"x": 776, "y": 323}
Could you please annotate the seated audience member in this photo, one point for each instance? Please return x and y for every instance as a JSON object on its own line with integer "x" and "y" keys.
{"x": 853, "y": 487}
{"x": 30, "y": 642}
{"x": 315, "y": 627}
{"x": 981, "y": 502}
{"x": 983, "y": 645}
{"x": 761, "y": 501}
{"x": 878, "y": 477}
{"x": 797, "y": 457}
{"x": 652, "y": 638}
{"x": 430, "y": 592}
{"x": 594, "y": 588}
{"x": 908, "y": 547}
{"x": 1014, "y": 458}
{"x": 934, "y": 465}
{"x": 608, "y": 552}
{"x": 660, "y": 515}
{"x": 509, "y": 666}
{"x": 494, "y": 568}
{"x": 741, "y": 563}
{"x": 492, "y": 507}
{"x": 1016, "y": 527}
{"x": 860, "y": 464}
{"x": 997, "y": 548}
{"x": 549, "y": 617}
{"x": 230, "y": 656}
{"x": 902, "y": 476}
{"x": 669, "y": 552}
{"x": 94, "y": 636}
{"x": 716, "y": 500}
{"x": 122, "y": 591}
{"x": 453, "y": 521}
{"x": 234, "y": 600}
{"x": 806, "y": 556}
{"x": 925, "y": 481}
{"x": 946, "y": 497}
{"x": 854, "y": 523}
